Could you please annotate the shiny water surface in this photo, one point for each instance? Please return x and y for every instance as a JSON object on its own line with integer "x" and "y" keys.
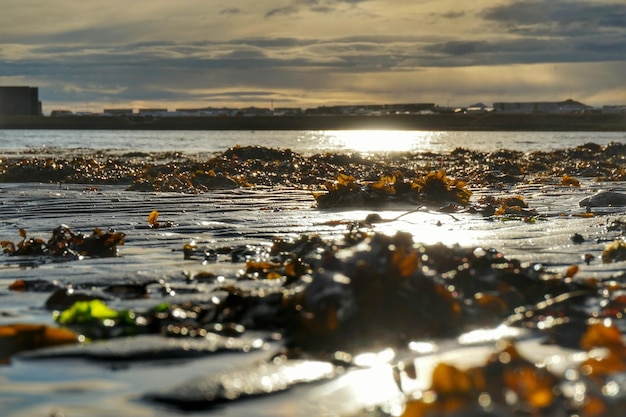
{"x": 307, "y": 142}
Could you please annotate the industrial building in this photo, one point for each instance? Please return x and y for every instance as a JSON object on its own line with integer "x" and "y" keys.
{"x": 567, "y": 106}
{"x": 118, "y": 112}
{"x": 20, "y": 101}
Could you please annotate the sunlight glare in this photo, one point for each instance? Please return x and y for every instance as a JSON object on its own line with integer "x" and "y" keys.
{"x": 380, "y": 140}
{"x": 371, "y": 359}
{"x": 479, "y": 336}
{"x": 362, "y": 388}
{"x": 430, "y": 227}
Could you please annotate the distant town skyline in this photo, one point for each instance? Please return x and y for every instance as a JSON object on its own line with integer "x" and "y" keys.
{"x": 86, "y": 56}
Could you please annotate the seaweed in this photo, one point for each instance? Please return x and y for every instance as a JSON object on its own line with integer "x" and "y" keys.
{"x": 433, "y": 188}
{"x": 369, "y": 291}
{"x": 254, "y": 166}
{"x": 154, "y": 223}
{"x": 614, "y": 252}
{"x": 19, "y": 337}
{"x": 67, "y": 244}
{"x": 508, "y": 381}
{"x": 436, "y": 187}
{"x": 506, "y": 208}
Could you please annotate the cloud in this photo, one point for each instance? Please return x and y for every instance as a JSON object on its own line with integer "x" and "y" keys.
{"x": 540, "y": 31}
{"x": 559, "y": 17}
{"x": 231, "y": 10}
{"x": 526, "y": 50}
{"x": 312, "y": 51}
{"x": 318, "y": 6}
{"x": 451, "y": 14}
{"x": 459, "y": 48}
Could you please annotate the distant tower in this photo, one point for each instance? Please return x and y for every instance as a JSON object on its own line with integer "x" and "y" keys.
{"x": 19, "y": 101}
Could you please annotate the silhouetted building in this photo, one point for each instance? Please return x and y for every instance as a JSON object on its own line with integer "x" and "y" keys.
{"x": 117, "y": 112}
{"x": 19, "y": 101}
{"x": 153, "y": 112}
{"x": 567, "y": 106}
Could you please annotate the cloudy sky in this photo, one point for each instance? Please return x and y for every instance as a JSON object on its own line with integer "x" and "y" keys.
{"x": 90, "y": 54}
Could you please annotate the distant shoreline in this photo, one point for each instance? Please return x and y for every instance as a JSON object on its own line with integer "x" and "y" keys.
{"x": 438, "y": 122}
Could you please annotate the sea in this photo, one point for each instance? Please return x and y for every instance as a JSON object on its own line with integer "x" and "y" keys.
{"x": 306, "y": 142}
{"x": 78, "y": 384}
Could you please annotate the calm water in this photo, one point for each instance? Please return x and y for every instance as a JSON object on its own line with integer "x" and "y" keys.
{"x": 299, "y": 141}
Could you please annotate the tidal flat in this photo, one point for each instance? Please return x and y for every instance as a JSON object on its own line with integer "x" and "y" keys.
{"x": 263, "y": 282}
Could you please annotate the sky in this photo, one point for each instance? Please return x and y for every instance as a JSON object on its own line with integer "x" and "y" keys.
{"x": 85, "y": 55}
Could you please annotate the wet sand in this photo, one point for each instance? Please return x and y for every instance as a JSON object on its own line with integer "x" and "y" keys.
{"x": 118, "y": 194}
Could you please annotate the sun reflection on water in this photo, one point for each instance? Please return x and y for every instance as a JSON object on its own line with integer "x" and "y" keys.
{"x": 432, "y": 227}
{"x": 366, "y": 141}
{"x": 370, "y": 384}
{"x": 426, "y": 226}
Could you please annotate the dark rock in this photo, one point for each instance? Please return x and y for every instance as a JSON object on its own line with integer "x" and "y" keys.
{"x": 65, "y": 298}
{"x": 151, "y": 347}
{"x": 604, "y": 199}
{"x": 259, "y": 379}
{"x": 577, "y": 238}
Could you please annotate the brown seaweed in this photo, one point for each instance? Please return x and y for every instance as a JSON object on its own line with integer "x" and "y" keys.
{"x": 434, "y": 188}
{"x": 254, "y": 166}
{"x": 508, "y": 381}
{"x": 65, "y": 243}
{"x": 20, "y": 337}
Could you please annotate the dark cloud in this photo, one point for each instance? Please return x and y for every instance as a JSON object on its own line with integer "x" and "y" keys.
{"x": 524, "y": 51}
{"x": 231, "y": 10}
{"x": 248, "y": 54}
{"x": 279, "y": 42}
{"x": 98, "y": 64}
{"x": 318, "y": 6}
{"x": 547, "y": 31}
{"x": 106, "y": 33}
{"x": 458, "y": 48}
{"x": 289, "y": 61}
{"x": 451, "y": 15}
{"x": 609, "y": 47}
{"x": 558, "y": 17}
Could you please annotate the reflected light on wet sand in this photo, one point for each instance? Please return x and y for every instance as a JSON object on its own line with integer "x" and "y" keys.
{"x": 426, "y": 226}
{"x": 363, "y": 388}
{"x": 433, "y": 227}
{"x": 366, "y": 141}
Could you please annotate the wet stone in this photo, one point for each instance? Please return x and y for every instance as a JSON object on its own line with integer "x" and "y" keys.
{"x": 64, "y": 298}
{"x": 577, "y": 238}
{"x": 259, "y": 379}
{"x": 150, "y": 347}
{"x": 604, "y": 199}
{"x": 34, "y": 285}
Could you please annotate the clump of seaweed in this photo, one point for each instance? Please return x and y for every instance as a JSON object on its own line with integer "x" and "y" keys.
{"x": 347, "y": 191}
{"x": 614, "y": 252}
{"x": 188, "y": 182}
{"x": 433, "y": 188}
{"x": 253, "y": 165}
{"x": 65, "y": 243}
{"x": 570, "y": 181}
{"x": 96, "y": 320}
{"x": 511, "y": 207}
{"x": 390, "y": 290}
{"x": 154, "y": 223}
{"x": 19, "y": 337}
{"x": 436, "y": 187}
{"x": 509, "y": 381}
